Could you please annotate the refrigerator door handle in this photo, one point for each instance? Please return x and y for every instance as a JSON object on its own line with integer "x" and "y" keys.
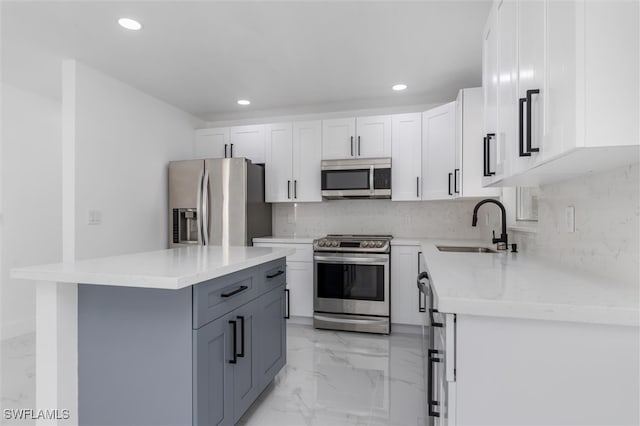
{"x": 205, "y": 208}
{"x": 199, "y": 207}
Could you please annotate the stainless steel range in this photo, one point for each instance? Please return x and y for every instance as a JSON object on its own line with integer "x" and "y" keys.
{"x": 351, "y": 283}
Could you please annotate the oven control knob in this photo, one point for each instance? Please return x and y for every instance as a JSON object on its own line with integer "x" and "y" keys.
{"x": 379, "y": 244}
{"x": 334, "y": 244}
{"x": 321, "y": 243}
{"x": 365, "y": 244}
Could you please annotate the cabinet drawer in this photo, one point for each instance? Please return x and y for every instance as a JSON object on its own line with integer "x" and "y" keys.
{"x": 214, "y": 298}
{"x": 304, "y": 252}
{"x": 273, "y": 274}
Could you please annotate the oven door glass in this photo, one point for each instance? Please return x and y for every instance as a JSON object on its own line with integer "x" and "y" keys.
{"x": 337, "y": 180}
{"x": 351, "y": 283}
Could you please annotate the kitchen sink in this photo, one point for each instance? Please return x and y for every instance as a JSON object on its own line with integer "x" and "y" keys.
{"x": 466, "y": 249}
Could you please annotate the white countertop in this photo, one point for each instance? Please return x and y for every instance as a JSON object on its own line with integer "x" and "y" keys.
{"x": 516, "y": 285}
{"x": 165, "y": 269}
{"x": 285, "y": 240}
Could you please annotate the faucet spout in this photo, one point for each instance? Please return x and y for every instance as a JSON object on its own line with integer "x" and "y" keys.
{"x": 503, "y": 236}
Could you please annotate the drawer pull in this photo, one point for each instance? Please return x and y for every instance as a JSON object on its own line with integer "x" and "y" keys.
{"x": 275, "y": 274}
{"x": 234, "y": 292}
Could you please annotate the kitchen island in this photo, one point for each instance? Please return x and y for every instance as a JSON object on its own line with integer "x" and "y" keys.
{"x": 175, "y": 337}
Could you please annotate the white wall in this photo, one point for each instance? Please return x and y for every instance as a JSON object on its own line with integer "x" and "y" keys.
{"x": 124, "y": 139}
{"x": 607, "y": 224}
{"x": 31, "y": 199}
{"x": 423, "y": 219}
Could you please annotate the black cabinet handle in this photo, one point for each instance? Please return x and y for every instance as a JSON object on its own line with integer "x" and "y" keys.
{"x": 422, "y": 294}
{"x": 275, "y": 274}
{"x": 231, "y": 156}
{"x": 288, "y": 297}
{"x": 485, "y": 157}
{"x": 450, "y": 183}
{"x": 417, "y": 186}
{"x": 521, "y": 150}
{"x": 234, "y": 329}
{"x": 352, "y": 146}
{"x": 358, "y": 146}
{"x": 529, "y": 94}
{"x": 288, "y": 189}
{"x": 295, "y": 189}
{"x": 234, "y": 292}
{"x": 489, "y": 136}
{"x": 455, "y": 181}
{"x": 241, "y": 354}
{"x": 432, "y": 320}
{"x": 225, "y": 150}
{"x": 433, "y": 358}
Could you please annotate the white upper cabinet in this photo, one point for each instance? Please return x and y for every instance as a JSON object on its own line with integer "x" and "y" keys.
{"x": 278, "y": 162}
{"x": 211, "y": 143}
{"x": 248, "y": 142}
{"x": 468, "y": 171}
{"x": 338, "y": 138}
{"x": 438, "y": 152}
{"x": 406, "y": 157}
{"x": 307, "y": 151}
{"x": 572, "y": 107}
{"x": 373, "y": 137}
{"x": 292, "y": 166}
{"x": 490, "y": 89}
{"x": 364, "y": 137}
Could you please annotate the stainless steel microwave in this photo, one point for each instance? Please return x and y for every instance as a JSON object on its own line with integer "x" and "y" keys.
{"x": 356, "y": 178}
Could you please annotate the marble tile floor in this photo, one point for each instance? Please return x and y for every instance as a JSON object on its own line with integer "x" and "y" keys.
{"x": 342, "y": 378}
{"x": 331, "y": 378}
{"x": 17, "y": 378}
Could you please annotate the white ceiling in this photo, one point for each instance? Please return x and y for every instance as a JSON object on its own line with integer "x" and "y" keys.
{"x": 202, "y": 56}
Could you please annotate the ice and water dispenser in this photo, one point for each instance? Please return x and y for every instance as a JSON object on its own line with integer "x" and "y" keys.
{"x": 185, "y": 226}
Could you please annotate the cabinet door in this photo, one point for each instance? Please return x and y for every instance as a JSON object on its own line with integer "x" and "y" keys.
{"x": 338, "y": 138}
{"x": 373, "y": 137}
{"x": 404, "y": 291}
{"x": 300, "y": 285}
{"x": 248, "y": 142}
{"x": 531, "y": 54}
{"x": 212, "y": 143}
{"x": 272, "y": 337}
{"x": 506, "y": 155}
{"x": 490, "y": 86}
{"x": 278, "y": 163}
{"x": 246, "y": 380}
{"x": 406, "y": 158}
{"x": 307, "y": 153}
{"x": 438, "y": 152}
{"x": 213, "y": 374}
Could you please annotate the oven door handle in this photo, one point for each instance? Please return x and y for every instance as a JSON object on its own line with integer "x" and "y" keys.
{"x": 378, "y": 259}
{"x": 350, "y": 320}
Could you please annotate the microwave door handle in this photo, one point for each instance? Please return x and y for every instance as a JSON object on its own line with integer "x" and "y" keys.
{"x": 371, "y": 179}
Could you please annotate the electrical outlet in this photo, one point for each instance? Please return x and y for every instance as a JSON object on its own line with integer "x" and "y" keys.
{"x": 570, "y": 219}
{"x": 94, "y": 217}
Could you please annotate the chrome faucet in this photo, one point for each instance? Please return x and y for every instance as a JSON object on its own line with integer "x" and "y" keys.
{"x": 503, "y": 235}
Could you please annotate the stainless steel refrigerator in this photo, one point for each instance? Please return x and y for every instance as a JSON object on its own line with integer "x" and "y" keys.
{"x": 217, "y": 201}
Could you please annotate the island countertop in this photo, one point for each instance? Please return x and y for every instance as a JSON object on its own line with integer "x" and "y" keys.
{"x": 163, "y": 269}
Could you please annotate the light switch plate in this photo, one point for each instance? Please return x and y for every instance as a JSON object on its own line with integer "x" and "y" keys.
{"x": 570, "y": 219}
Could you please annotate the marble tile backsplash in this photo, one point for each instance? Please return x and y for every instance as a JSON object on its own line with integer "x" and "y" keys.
{"x": 431, "y": 219}
{"x": 607, "y": 224}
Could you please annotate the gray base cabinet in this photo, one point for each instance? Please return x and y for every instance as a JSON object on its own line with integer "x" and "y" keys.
{"x": 196, "y": 356}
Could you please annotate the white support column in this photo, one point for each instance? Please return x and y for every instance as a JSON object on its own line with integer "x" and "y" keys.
{"x": 57, "y": 304}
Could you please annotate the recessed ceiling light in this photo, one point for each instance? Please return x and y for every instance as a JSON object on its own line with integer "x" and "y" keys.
{"x": 130, "y": 24}
{"x": 399, "y": 87}
{"x": 243, "y": 102}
